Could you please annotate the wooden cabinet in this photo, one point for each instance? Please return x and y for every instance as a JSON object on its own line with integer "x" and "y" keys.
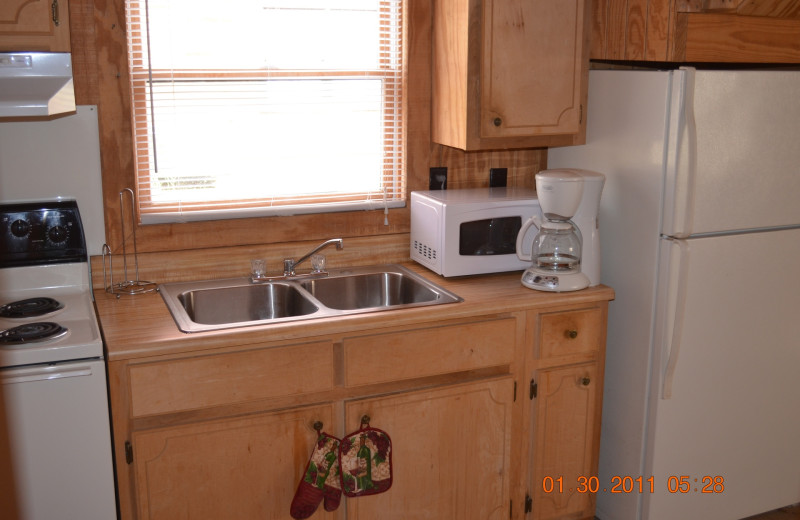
{"x": 692, "y": 31}
{"x": 233, "y": 468}
{"x": 34, "y": 25}
{"x": 565, "y": 402}
{"x": 227, "y": 434}
{"x": 452, "y": 452}
{"x": 565, "y": 441}
{"x": 481, "y": 406}
{"x": 509, "y": 74}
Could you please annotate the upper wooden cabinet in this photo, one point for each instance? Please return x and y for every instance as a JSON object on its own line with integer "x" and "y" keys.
{"x": 509, "y": 74}
{"x": 34, "y": 25}
{"x": 697, "y": 31}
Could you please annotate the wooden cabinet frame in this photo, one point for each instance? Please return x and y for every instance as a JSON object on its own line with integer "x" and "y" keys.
{"x": 696, "y": 31}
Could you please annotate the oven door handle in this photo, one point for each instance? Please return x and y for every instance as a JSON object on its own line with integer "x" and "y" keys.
{"x": 28, "y": 375}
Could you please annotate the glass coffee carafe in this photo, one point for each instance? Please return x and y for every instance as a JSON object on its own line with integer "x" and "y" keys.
{"x": 557, "y": 248}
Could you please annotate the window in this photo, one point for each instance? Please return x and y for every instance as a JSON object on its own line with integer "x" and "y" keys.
{"x": 246, "y": 108}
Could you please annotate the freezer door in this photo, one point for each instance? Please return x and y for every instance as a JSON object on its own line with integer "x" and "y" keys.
{"x": 724, "y": 397}
{"x": 734, "y": 154}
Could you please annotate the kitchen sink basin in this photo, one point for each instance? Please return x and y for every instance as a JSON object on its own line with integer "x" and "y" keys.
{"x": 373, "y": 290}
{"x": 220, "y": 304}
{"x": 245, "y": 303}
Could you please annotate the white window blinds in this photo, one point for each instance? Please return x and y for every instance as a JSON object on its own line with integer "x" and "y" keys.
{"x": 263, "y": 107}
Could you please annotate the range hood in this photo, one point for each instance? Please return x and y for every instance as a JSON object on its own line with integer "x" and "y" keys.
{"x": 36, "y": 84}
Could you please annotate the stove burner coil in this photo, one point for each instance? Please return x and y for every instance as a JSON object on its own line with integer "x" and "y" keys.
{"x": 30, "y": 307}
{"x": 31, "y": 333}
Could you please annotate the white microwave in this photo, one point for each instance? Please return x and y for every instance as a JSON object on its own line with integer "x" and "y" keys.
{"x": 471, "y": 231}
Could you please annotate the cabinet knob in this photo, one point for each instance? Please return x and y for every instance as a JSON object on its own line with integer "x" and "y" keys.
{"x": 571, "y": 333}
{"x": 497, "y": 121}
{"x": 585, "y": 381}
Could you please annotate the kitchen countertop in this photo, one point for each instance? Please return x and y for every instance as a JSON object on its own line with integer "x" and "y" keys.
{"x": 141, "y": 325}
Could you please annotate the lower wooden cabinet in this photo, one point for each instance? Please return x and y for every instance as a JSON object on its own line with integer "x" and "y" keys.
{"x": 237, "y": 468}
{"x": 565, "y": 364}
{"x": 480, "y": 409}
{"x": 565, "y": 440}
{"x": 451, "y": 452}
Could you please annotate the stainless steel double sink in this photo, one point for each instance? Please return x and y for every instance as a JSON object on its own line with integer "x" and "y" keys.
{"x": 236, "y": 302}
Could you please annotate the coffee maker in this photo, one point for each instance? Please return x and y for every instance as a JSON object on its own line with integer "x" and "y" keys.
{"x": 566, "y": 251}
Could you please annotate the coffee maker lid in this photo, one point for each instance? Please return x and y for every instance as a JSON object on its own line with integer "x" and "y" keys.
{"x": 561, "y": 175}
{"x": 556, "y": 225}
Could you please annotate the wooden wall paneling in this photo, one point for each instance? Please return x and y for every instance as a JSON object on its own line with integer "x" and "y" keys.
{"x": 632, "y": 29}
{"x": 114, "y": 111}
{"x": 660, "y": 28}
{"x": 84, "y": 53}
{"x": 471, "y": 169}
{"x": 598, "y": 29}
{"x": 636, "y": 30}
{"x": 231, "y": 262}
{"x": 614, "y": 16}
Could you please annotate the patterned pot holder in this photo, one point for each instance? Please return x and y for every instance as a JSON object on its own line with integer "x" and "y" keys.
{"x": 365, "y": 461}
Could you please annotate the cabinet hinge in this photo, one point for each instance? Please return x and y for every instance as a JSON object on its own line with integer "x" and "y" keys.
{"x": 580, "y": 115}
{"x": 528, "y": 503}
{"x": 534, "y": 389}
{"x": 128, "y": 452}
{"x": 511, "y": 509}
{"x": 515, "y": 391}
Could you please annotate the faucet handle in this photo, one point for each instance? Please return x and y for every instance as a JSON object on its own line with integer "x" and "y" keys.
{"x": 288, "y": 267}
{"x": 318, "y": 263}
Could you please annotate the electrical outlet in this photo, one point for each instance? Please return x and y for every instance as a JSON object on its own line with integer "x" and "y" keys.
{"x": 498, "y": 177}
{"x": 437, "y": 179}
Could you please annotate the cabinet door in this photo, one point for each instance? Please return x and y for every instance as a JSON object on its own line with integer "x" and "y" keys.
{"x": 243, "y": 468}
{"x": 34, "y": 25}
{"x": 566, "y": 434}
{"x": 534, "y": 67}
{"x": 450, "y": 452}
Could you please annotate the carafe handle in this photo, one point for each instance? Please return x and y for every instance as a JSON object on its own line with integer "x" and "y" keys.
{"x": 533, "y": 221}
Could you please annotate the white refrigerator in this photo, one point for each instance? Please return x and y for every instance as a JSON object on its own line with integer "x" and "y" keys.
{"x": 700, "y": 238}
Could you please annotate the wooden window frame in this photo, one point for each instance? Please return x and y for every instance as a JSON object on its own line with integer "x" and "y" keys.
{"x": 117, "y": 152}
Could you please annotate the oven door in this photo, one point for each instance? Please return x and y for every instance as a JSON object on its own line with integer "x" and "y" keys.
{"x": 58, "y": 425}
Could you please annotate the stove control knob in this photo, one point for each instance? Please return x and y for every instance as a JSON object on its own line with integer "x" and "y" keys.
{"x": 20, "y": 228}
{"x": 57, "y": 234}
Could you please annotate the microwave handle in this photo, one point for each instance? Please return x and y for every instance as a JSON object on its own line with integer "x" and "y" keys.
{"x": 534, "y": 220}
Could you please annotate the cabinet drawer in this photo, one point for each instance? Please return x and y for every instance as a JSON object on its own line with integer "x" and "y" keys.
{"x": 214, "y": 380}
{"x": 394, "y": 356}
{"x": 571, "y": 332}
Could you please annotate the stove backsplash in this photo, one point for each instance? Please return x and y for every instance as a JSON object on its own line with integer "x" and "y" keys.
{"x": 42, "y": 160}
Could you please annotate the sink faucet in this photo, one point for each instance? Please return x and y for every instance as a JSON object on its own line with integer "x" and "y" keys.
{"x": 289, "y": 265}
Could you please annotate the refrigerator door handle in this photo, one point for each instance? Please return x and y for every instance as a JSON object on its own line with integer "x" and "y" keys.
{"x": 677, "y": 276}
{"x": 681, "y": 157}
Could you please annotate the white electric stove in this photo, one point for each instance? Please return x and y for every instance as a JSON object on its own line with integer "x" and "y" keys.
{"x": 51, "y": 365}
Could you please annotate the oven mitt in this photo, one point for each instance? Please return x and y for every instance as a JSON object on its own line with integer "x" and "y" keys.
{"x": 320, "y": 479}
{"x": 332, "y": 489}
{"x": 365, "y": 460}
